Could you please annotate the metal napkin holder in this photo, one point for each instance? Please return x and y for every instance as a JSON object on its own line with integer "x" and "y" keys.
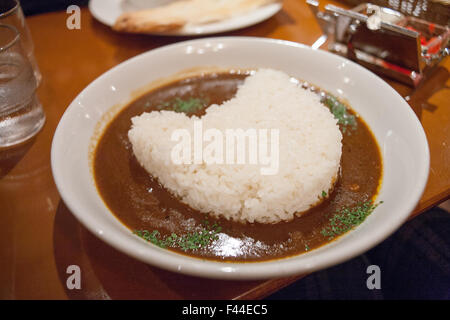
{"x": 383, "y": 40}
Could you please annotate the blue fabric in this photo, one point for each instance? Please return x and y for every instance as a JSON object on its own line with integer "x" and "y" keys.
{"x": 414, "y": 264}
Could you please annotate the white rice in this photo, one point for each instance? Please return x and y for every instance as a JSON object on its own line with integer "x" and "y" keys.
{"x": 309, "y": 152}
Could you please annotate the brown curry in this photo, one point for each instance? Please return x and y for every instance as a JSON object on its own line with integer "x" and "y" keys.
{"x": 141, "y": 203}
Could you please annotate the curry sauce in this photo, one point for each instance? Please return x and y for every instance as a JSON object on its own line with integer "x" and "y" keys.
{"x": 142, "y": 203}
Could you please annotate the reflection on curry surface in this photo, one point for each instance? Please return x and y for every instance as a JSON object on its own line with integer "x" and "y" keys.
{"x": 148, "y": 209}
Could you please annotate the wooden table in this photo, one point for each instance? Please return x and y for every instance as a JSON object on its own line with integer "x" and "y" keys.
{"x": 39, "y": 237}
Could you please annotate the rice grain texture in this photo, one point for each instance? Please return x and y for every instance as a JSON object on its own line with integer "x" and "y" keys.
{"x": 309, "y": 152}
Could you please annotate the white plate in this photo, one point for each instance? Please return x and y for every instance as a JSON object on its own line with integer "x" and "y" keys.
{"x": 399, "y": 134}
{"x": 107, "y": 11}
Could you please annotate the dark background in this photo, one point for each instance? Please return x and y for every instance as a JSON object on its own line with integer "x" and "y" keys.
{"x": 38, "y": 6}
{"x": 435, "y": 11}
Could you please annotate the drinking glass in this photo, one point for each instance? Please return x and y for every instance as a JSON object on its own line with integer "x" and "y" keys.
{"x": 11, "y": 14}
{"x": 21, "y": 113}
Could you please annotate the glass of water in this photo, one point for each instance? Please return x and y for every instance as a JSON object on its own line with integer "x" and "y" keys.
{"x": 21, "y": 113}
{"x": 11, "y": 14}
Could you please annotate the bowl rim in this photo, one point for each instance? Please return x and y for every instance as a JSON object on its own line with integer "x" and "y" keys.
{"x": 229, "y": 270}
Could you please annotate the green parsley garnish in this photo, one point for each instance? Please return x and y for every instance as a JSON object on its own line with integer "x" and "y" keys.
{"x": 306, "y": 247}
{"x": 339, "y": 110}
{"x": 324, "y": 194}
{"x": 190, "y": 241}
{"x": 187, "y": 106}
{"x": 348, "y": 218}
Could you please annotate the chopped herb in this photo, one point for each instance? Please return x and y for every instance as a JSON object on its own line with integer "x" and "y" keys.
{"x": 348, "y": 218}
{"x": 306, "y": 247}
{"x": 339, "y": 110}
{"x": 187, "y": 106}
{"x": 190, "y": 241}
{"x": 324, "y": 194}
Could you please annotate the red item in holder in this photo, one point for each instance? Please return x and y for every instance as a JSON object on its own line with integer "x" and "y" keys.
{"x": 435, "y": 47}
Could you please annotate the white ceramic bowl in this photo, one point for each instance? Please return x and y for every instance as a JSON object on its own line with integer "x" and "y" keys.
{"x": 399, "y": 134}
